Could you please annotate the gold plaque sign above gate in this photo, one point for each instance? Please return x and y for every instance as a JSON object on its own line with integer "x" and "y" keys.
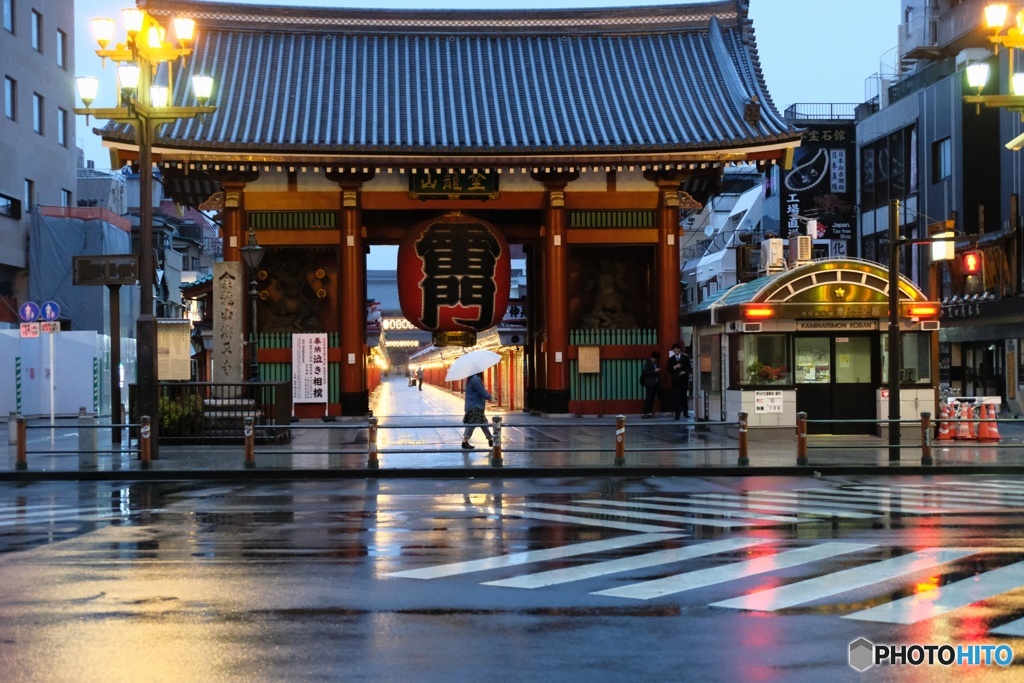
{"x": 468, "y": 185}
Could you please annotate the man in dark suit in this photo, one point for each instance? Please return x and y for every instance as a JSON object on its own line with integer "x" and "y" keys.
{"x": 679, "y": 368}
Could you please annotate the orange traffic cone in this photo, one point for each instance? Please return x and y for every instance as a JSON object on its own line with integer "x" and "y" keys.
{"x": 964, "y": 432}
{"x": 988, "y": 431}
{"x": 945, "y": 426}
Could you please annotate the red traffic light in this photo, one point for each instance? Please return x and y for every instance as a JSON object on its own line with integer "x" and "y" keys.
{"x": 971, "y": 262}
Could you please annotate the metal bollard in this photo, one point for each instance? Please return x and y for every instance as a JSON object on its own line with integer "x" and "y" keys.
{"x": 372, "y": 461}
{"x": 250, "y": 443}
{"x": 926, "y": 438}
{"x": 21, "y": 463}
{"x": 801, "y": 438}
{"x": 144, "y": 442}
{"x": 87, "y": 441}
{"x": 744, "y": 457}
{"x": 620, "y": 440}
{"x": 496, "y": 448}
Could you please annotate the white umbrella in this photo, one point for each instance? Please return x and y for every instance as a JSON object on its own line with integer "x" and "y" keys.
{"x": 469, "y": 364}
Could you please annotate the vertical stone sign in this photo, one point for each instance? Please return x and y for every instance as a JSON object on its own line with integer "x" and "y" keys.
{"x": 228, "y": 303}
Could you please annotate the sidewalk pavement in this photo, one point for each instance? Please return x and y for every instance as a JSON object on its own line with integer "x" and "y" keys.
{"x": 420, "y": 433}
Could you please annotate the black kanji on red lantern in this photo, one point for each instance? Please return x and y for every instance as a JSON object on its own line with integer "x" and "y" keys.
{"x": 459, "y": 262}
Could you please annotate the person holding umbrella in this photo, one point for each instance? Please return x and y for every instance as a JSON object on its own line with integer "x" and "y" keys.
{"x": 476, "y": 398}
{"x": 470, "y": 366}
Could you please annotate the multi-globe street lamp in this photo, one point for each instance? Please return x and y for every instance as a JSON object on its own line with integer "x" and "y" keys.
{"x": 145, "y": 69}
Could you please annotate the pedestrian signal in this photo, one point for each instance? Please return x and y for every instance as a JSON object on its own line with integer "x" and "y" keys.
{"x": 973, "y": 265}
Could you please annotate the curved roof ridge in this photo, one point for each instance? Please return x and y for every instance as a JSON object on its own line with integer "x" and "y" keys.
{"x": 626, "y": 19}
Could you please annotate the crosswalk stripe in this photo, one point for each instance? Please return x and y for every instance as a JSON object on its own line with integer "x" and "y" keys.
{"x": 530, "y": 556}
{"x": 915, "y": 608}
{"x": 690, "y": 507}
{"x": 845, "y": 505}
{"x": 58, "y": 519}
{"x": 590, "y": 521}
{"x": 916, "y": 494}
{"x": 1013, "y": 628}
{"x": 702, "y": 578}
{"x": 985, "y": 489}
{"x": 725, "y": 500}
{"x": 928, "y": 500}
{"x": 838, "y": 582}
{"x": 589, "y": 571}
{"x": 751, "y": 520}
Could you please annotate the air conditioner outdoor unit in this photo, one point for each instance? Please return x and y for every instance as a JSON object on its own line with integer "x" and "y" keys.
{"x": 772, "y": 258}
{"x": 800, "y": 249}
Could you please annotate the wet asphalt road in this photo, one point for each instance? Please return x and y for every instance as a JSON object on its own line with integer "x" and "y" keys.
{"x": 663, "y": 579}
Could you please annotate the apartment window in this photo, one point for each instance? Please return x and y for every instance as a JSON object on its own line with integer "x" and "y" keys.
{"x": 30, "y": 190}
{"x": 9, "y": 15}
{"x": 942, "y": 159}
{"x": 37, "y": 113}
{"x": 65, "y": 197}
{"x": 10, "y": 207}
{"x": 10, "y": 98}
{"x": 62, "y": 127}
{"x": 37, "y": 31}
{"x": 62, "y": 46}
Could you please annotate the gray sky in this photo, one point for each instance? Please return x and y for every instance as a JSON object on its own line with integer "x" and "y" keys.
{"x": 810, "y": 50}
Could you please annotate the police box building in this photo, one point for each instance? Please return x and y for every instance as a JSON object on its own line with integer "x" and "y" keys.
{"x": 571, "y": 137}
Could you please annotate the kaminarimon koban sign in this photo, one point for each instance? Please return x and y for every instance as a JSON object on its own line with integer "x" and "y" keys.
{"x": 454, "y": 274}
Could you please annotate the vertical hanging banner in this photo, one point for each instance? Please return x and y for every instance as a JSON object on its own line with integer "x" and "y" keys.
{"x": 309, "y": 368}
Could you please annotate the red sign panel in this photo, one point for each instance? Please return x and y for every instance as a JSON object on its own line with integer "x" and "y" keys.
{"x": 454, "y": 273}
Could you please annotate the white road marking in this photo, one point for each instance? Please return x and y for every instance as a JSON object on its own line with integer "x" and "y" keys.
{"x": 589, "y": 521}
{"x": 839, "y": 582}
{"x": 929, "y": 500}
{"x": 751, "y": 520}
{"x": 842, "y": 503}
{"x": 1013, "y": 628}
{"x": 726, "y": 500}
{"x": 915, "y": 608}
{"x": 589, "y": 571}
{"x": 740, "y": 570}
{"x": 530, "y": 556}
{"x": 683, "y": 506}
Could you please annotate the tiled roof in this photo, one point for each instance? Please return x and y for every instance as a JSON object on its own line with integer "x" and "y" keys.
{"x": 329, "y": 81}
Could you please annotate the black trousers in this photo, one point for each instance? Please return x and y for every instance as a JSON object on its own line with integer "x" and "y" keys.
{"x": 649, "y": 396}
{"x": 680, "y": 402}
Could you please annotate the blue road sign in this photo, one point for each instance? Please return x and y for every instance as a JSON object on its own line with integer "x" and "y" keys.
{"x": 50, "y": 310}
{"x": 29, "y": 311}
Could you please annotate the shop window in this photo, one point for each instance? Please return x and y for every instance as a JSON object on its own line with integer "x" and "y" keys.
{"x": 760, "y": 359}
{"x": 942, "y": 159}
{"x": 813, "y": 360}
{"x": 917, "y": 358}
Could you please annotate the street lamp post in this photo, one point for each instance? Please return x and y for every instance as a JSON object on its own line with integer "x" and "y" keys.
{"x": 252, "y": 254}
{"x": 942, "y": 249}
{"x": 144, "y": 105}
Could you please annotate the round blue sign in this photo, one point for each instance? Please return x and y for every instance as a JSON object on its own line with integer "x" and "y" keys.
{"x": 50, "y": 310}
{"x": 29, "y": 311}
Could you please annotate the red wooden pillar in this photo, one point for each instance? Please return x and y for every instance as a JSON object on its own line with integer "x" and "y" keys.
{"x": 556, "y": 296}
{"x": 354, "y": 396}
{"x": 668, "y": 261}
{"x": 235, "y": 228}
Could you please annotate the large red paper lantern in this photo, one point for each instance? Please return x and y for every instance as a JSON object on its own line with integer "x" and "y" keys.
{"x": 454, "y": 274}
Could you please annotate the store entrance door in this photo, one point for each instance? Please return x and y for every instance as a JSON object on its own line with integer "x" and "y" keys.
{"x": 834, "y": 382}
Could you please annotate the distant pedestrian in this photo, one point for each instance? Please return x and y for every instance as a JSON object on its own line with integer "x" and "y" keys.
{"x": 649, "y": 381}
{"x": 679, "y": 369}
{"x": 476, "y": 399}
{"x": 419, "y": 377}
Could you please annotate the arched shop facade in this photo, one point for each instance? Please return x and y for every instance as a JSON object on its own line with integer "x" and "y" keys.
{"x": 578, "y": 135}
{"x": 813, "y": 339}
